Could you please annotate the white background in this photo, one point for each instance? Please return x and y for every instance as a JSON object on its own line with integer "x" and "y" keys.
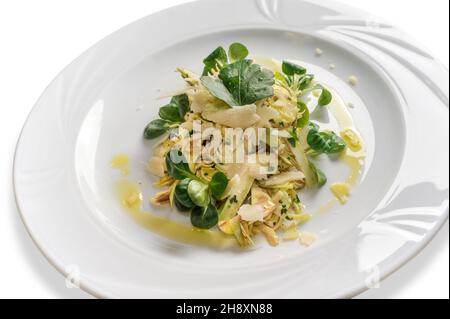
{"x": 39, "y": 38}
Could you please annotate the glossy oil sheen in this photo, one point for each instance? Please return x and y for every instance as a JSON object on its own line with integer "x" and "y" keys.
{"x": 121, "y": 162}
{"x": 166, "y": 227}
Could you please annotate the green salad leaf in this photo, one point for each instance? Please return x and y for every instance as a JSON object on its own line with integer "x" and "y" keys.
{"x": 205, "y": 217}
{"x": 325, "y": 97}
{"x": 218, "y": 89}
{"x": 321, "y": 178}
{"x": 156, "y": 128}
{"x": 305, "y": 82}
{"x": 303, "y": 111}
{"x": 296, "y": 77}
{"x": 199, "y": 193}
{"x": 326, "y": 142}
{"x": 247, "y": 82}
{"x": 182, "y": 195}
{"x": 313, "y": 125}
{"x": 293, "y": 139}
{"x": 237, "y": 52}
{"x": 280, "y": 77}
{"x": 177, "y": 166}
{"x": 182, "y": 102}
{"x": 218, "y": 58}
{"x": 218, "y": 184}
{"x": 290, "y": 68}
{"x": 194, "y": 194}
{"x": 170, "y": 113}
{"x": 180, "y": 207}
{"x": 241, "y": 83}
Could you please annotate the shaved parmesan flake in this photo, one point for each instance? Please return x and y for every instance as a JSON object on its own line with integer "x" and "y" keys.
{"x": 353, "y": 80}
{"x": 307, "y": 238}
{"x": 241, "y": 117}
{"x": 252, "y": 213}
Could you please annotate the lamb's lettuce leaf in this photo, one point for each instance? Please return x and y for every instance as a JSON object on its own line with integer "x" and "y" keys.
{"x": 218, "y": 58}
{"x": 241, "y": 83}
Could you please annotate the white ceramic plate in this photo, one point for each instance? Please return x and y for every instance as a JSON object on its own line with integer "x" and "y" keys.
{"x": 99, "y": 104}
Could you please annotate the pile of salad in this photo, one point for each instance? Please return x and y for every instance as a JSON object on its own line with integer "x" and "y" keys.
{"x": 241, "y": 199}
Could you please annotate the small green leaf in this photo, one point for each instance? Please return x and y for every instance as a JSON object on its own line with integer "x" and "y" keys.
{"x": 182, "y": 101}
{"x": 180, "y": 207}
{"x": 321, "y": 178}
{"x": 177, "y": 165}
{"x": 290, "y": 68}
{"x": 294, "y": 137}
{"x": 247, "y": 82}
{"x": 313, "y": 126}
{"x": 303, "y": 111}
{"x": 280, "y": 77}
{"x": 306, "y": 81}
{"x": 325, "y": 142}
{"x": 217, "y": 59}
{"x": 182, "y": 195}
{"x": 155, "y": 129}
{"x": 218, "y": 184}
{"x": 218, "y": 89}
{"x": 205, "y": 217}
{"x": 237, "y": 52}
{"x": 325, "y": 98}
{"x": 198, "y": 192}
{"x": 241, "y": 83}
{"x": 170, "y": 113}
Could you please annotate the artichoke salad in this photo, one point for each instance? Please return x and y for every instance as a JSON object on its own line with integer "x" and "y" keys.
{"x": 241, "y": 198}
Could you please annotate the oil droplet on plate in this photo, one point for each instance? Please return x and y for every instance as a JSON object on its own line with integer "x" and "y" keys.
{"x": 121, "y": 162}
